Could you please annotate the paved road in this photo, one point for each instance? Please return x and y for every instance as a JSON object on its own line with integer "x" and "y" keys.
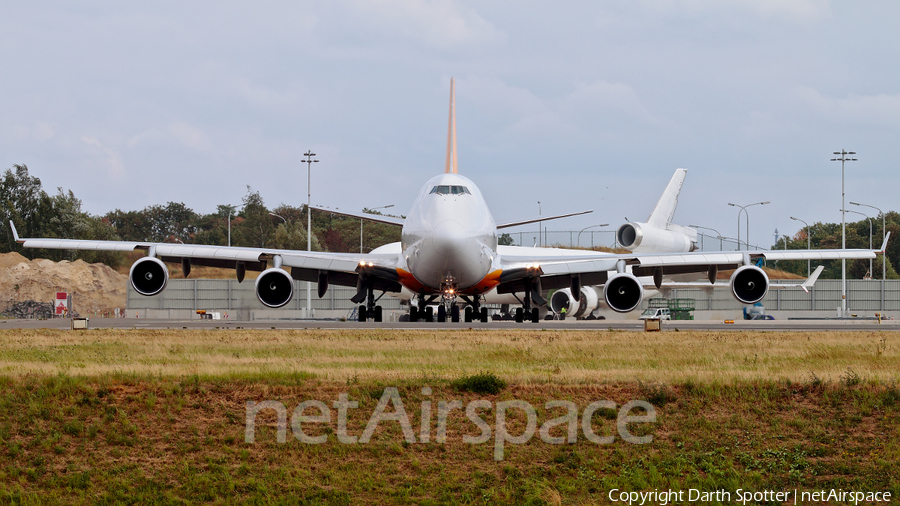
{"x": 738, "y": 325}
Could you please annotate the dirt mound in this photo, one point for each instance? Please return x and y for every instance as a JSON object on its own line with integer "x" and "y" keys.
{"x": 94, "y": 287}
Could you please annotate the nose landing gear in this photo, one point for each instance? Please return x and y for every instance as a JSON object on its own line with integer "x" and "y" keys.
{"x": 421, "y": 309}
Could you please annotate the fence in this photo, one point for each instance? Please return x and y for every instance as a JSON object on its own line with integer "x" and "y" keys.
{"x": 228, "y": 294}
{"x": 607, "y": 238}
{"x": 863, "y": 296}
{"x": 29, "y": 309}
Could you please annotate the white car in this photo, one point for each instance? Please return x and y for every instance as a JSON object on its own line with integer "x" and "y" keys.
{"x": 660, "y": 313}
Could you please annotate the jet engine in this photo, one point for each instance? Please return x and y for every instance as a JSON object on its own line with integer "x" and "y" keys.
{"x": 274, "y": 287}
{"x": 749, "y": 284}
{"x": 623, "y": 292}
{"x": 645, "y": 238}
{"x": 588, "y": 301}
{"x": 148, "y": 276}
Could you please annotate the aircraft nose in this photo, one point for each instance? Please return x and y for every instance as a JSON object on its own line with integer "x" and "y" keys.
{"x": 449, "y": 238}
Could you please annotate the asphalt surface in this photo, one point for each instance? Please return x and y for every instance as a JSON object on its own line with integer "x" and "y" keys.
{"x": 849, "y": 324}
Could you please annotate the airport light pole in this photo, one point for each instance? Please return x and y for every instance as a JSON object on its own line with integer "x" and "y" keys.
{"x": 870, "y": 236}
{"x": 883, "y": 232}
{"x": 808, "y": 243}
{"x": 540, "y": 225}
{"x": 744, "y": 210}
{"x": 361, "y": 225}
{"x": 718, "y": 235}
{"x": 843, "y": 159}
{"x": 578, "y": 240}
{"x": 309, "y": 161}
{"x": 230, "y": 214}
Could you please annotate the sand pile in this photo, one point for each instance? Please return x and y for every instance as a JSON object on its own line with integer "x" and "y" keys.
{"x": 94, "y": 287}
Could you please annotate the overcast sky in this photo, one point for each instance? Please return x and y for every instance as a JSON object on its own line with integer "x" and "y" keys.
{"x": 578, "y": 105}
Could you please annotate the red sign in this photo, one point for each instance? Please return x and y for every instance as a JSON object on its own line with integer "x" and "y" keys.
{"x": 61, "y": 302}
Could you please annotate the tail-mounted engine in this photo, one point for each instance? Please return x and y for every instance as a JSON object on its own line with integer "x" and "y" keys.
{"x": 645, "y": 238}
{"x": 148, "y": 276}
{"x": 749, "y": 284}
{"x": 623, "y": 292}
{"x": 274, "y": 287}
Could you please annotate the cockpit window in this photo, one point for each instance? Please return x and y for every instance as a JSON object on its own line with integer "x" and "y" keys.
{"x": 450, "y": 190}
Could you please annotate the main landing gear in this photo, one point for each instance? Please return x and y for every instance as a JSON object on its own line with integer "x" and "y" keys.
{"x": 532, "y": 294}
{"x": 422, "y": 310}
{"x": 366, "y": 292}
{"x": 474, "y": 310}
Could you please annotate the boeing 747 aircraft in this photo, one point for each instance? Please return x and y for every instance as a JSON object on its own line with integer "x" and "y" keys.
{"x": 448, "y": 252}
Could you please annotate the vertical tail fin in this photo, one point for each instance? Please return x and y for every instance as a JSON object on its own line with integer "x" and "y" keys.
{"x": 665, "y": 207}
{"x": 451, "y": 165}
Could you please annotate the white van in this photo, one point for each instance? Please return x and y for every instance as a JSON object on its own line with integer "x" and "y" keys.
{"x": 659, "y": 313}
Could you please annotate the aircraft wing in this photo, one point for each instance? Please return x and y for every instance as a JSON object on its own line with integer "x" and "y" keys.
{"x": 541, "y": 218}
{"x": 704, "y": 285}
{"x": 558, "y": 267}
{"x": 341, "y": 268}
{"x": 378, "y": 218}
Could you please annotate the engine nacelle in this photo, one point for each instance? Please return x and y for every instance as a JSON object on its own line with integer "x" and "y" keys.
{"x": 274, "y": 287}
{"x": 623, "y": 292}
{"x": 749, "y": 284}
{"x": 646, "y": 238}
{"x": 148, "y": 276}
{"x": 588, "y": 301}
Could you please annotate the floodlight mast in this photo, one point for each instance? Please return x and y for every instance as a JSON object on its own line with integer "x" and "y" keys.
{"x": 309, "y": 161}
{"x": 843, "y": 159}
{"x": 744, "y": 210}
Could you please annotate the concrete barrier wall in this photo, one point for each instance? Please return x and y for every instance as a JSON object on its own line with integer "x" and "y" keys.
{"x": 183, "y": 297}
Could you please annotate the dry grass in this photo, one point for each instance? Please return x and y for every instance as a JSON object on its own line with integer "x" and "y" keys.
{"x": 159, "y": 416}
{"x": 521, "y": 356}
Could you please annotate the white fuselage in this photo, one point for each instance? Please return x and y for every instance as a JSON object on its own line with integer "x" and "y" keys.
{"x": 449, "y": 238}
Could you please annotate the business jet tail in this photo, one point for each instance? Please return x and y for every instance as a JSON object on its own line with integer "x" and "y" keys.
{"x": 659, "y": 234}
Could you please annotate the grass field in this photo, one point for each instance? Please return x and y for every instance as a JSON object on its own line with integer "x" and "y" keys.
{"x": 160, "y": 416}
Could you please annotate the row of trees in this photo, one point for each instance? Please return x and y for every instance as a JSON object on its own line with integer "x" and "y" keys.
{"x": 828, "y": 236}
{"x": 37, "y": 214}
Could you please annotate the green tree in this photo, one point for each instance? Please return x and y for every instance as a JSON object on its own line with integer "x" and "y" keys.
{"x": 25, "y": 203}
{"x": 828, "y": 236}
{"x": 130, "y": 225}
{"x": 257, "y": 228}
{"x": 292, "y": 235}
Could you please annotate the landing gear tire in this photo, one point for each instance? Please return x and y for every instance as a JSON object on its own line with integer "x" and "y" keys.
{"x": 377, "y": 316}
{"x": 429, "y": 314}
{"x": 484, "y": 315}
{"x": 454, "y": 314}
{"x": 442, "y": 314}
{"x": 413, "y": 314}
{"x": 519, "y": 315}
{"x": 362, "y": 314}
{"x": 535, "y": 315}
{"x": 468, "y": 314}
